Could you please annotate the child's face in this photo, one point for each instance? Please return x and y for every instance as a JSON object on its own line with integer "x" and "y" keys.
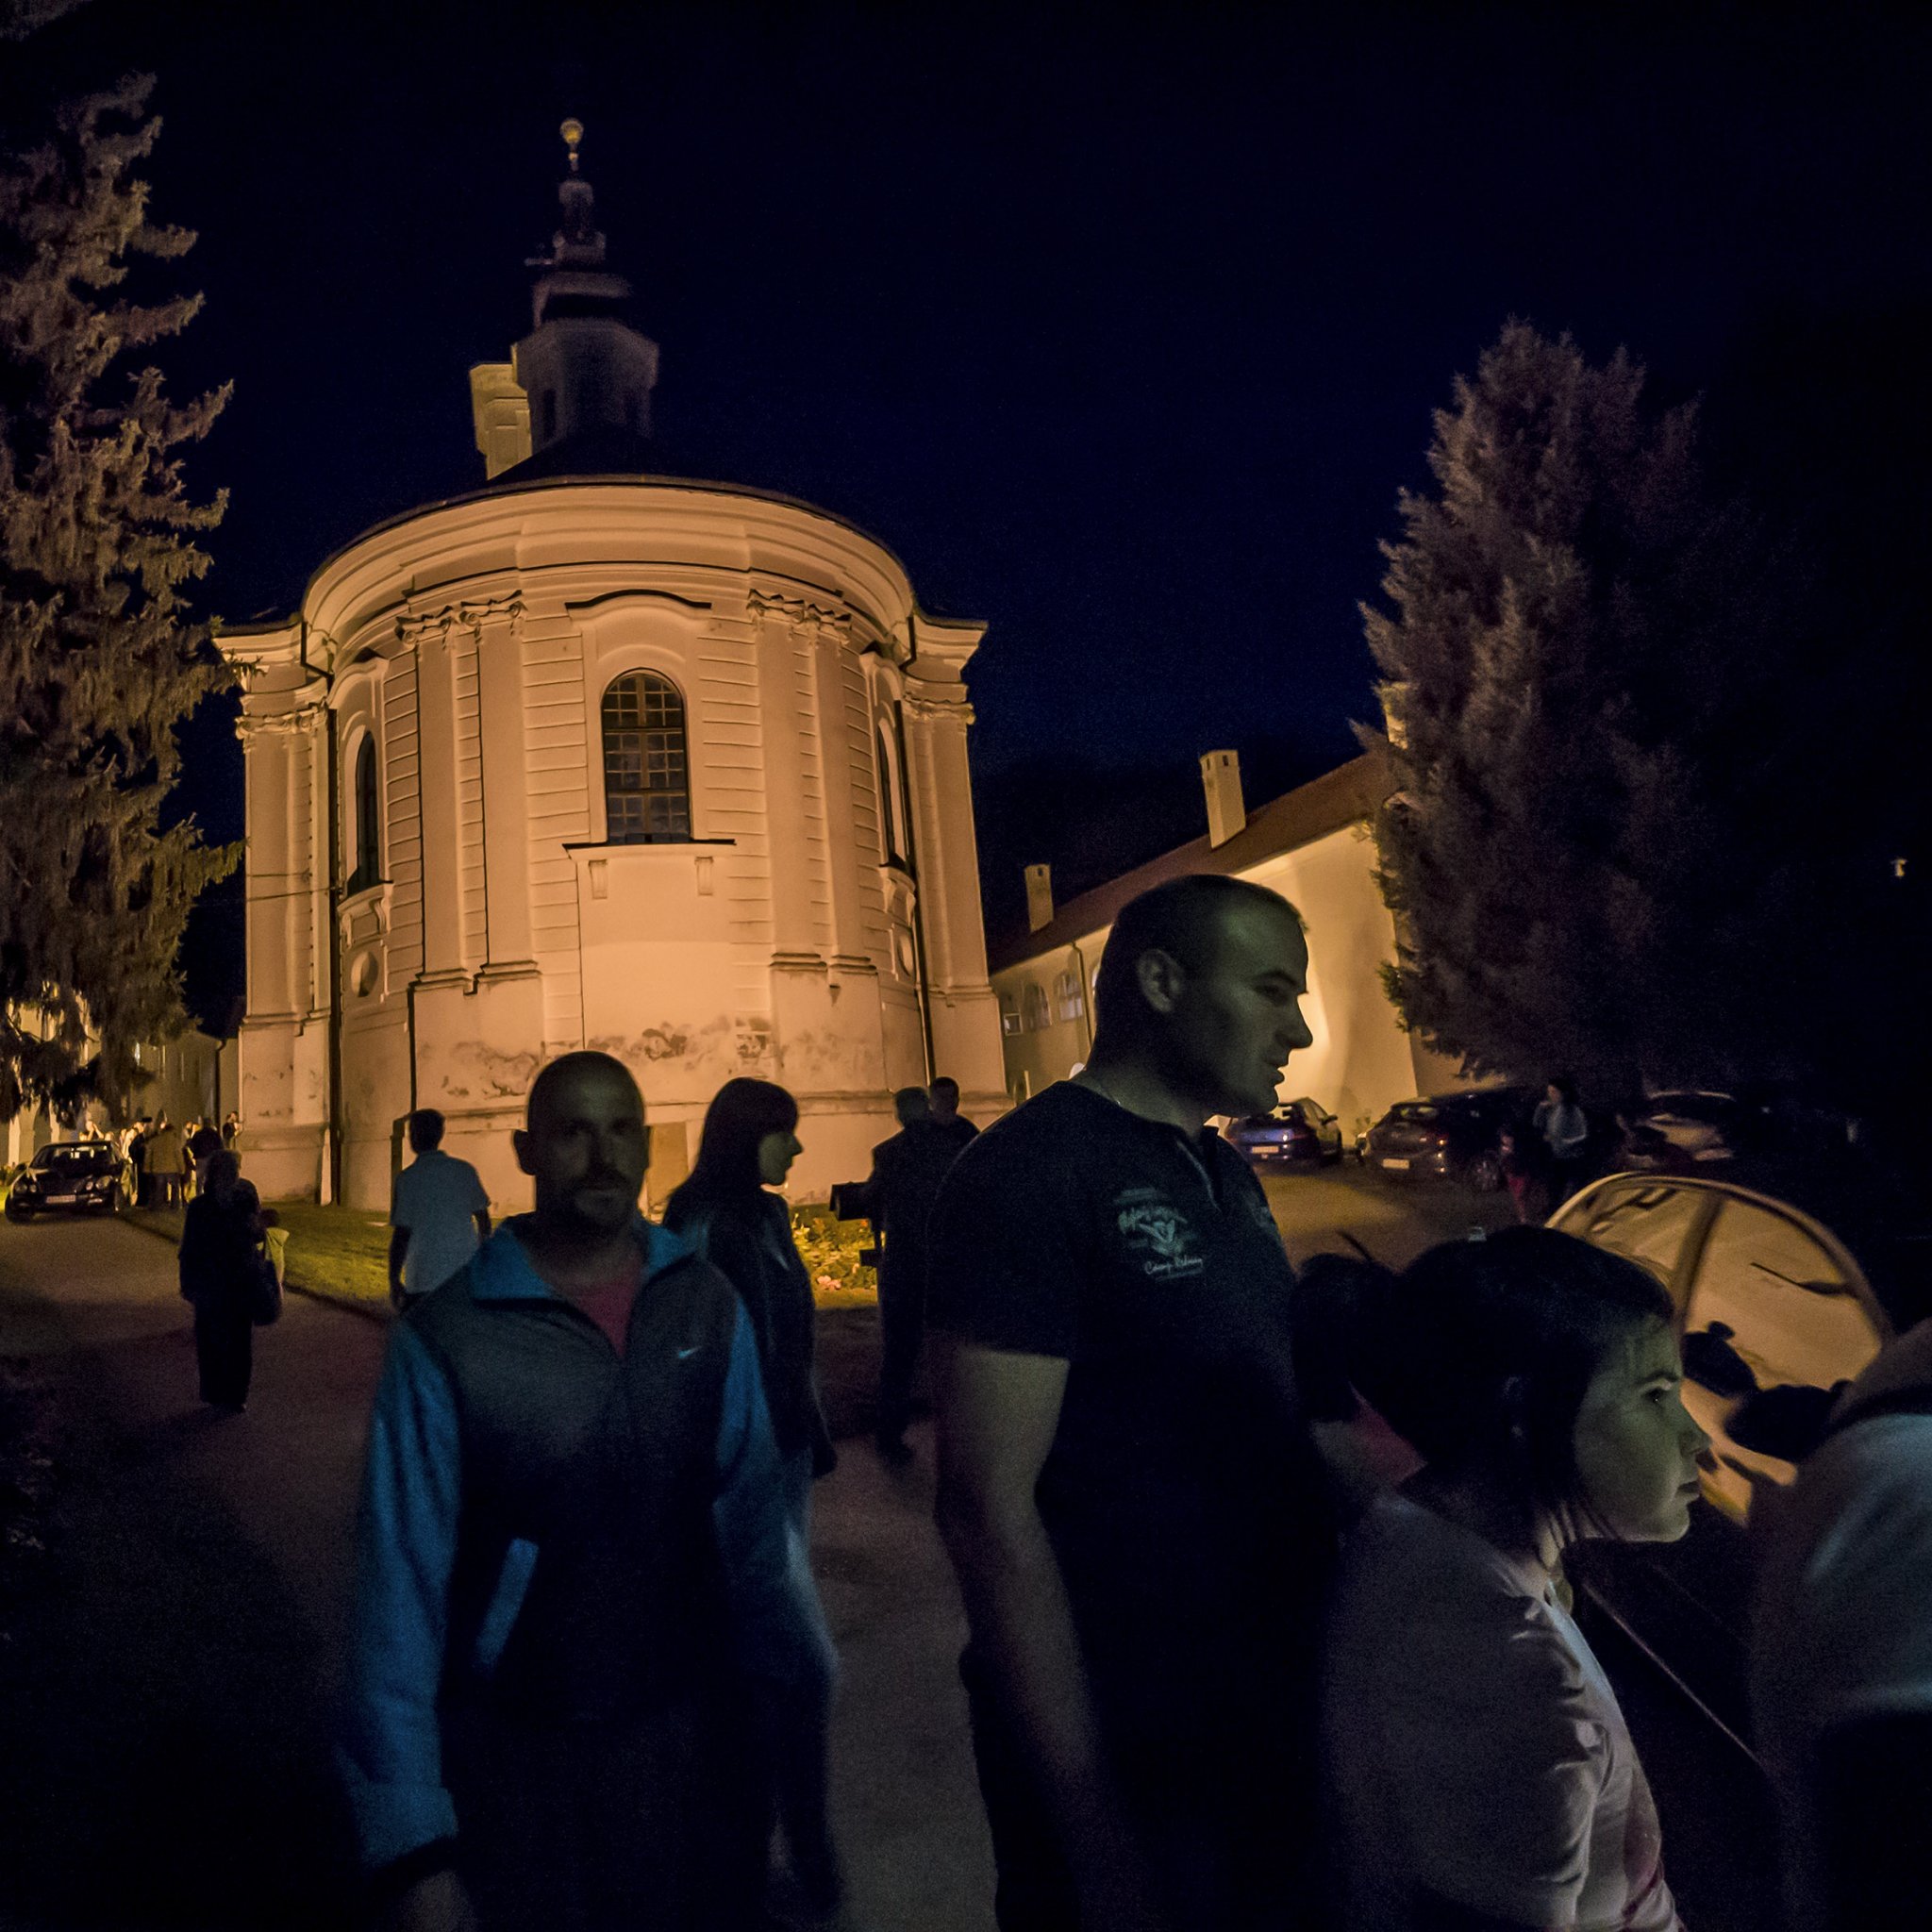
{"x": 1637, "y": 1446}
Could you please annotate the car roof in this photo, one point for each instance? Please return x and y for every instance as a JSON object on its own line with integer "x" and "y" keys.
{"x": 1884, "y": 1229}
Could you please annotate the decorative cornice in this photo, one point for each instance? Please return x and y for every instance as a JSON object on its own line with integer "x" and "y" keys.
{"x": 797, "y": 612}
{"x": 469, "y": 615}
{"x": 300, "y": 717}
{"x": 954, "y": 710}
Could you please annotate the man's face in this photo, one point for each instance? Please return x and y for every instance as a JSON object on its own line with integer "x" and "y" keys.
{"x": 586, "y": 1149}
{"x": 1235, "y": 1016}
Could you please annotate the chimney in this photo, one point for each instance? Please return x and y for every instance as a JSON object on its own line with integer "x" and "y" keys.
{"x": 1221, "y": 778}
{"x": 1039, "y": 896}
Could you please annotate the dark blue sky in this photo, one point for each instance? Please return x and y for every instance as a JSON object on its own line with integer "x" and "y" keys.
{"x": 1122, "y": 330}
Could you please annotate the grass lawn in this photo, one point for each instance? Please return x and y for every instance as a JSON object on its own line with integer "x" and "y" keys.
{"x": 344, "y": 1252}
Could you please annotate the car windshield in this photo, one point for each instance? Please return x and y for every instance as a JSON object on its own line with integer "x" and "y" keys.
{"x": 72, "y": 1159}
{"x": 1415, "y": 1110}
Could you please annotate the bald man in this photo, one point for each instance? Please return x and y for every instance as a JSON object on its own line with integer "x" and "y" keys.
{"x": 584, "y": 1643}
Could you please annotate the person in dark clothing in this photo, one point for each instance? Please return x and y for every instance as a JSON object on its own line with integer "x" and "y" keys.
{"x": 221, "y": 1232}
{"x": 897, "y": 1198}
{"x": 727, "y": 1211}
{"x": 1127, "y": 1486}
{"x": 136, "y": 1159}
{"x": 581, "y": 1648}
{"x": 943, "y": 1098}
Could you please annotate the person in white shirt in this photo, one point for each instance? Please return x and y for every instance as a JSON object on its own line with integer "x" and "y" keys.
{"x": 438, "y": 1214}
{"x": 1479, "y": 1771}
{"x": 1841, "y": 1654}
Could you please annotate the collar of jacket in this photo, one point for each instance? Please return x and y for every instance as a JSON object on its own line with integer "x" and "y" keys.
{"x": 502, "y": 1270}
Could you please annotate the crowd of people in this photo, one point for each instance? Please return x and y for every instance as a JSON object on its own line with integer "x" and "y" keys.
{"x": 1264, "y": 1574}
{"x": 163, "y": 1163}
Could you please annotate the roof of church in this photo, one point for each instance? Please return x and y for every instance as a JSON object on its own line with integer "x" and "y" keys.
{"x": 1343, "y": 797}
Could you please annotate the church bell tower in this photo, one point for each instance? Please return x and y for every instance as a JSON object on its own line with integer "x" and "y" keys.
{"x": 583, "y": 374}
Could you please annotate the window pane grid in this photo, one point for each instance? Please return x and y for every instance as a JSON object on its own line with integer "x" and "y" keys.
{"x": 647, "y": 770}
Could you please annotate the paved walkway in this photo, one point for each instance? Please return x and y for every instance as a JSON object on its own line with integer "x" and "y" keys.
{"x": 163, "y": 1703}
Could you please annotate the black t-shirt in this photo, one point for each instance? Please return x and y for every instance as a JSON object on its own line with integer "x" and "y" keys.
{"x": 1181, "y": 1491}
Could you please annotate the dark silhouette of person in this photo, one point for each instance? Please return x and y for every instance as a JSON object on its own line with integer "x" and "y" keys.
{"x": 579, "y": 1642}
{"x": 944, "y": 1097}
{"x": 221, "y": 1230}
{"x": 897, "y": 1198}
{"x": 1127, "y": 1486}
{"x": 726, "y": 1210}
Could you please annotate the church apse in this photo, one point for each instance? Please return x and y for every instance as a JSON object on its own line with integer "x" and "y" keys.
{"x": 599, "y": 756}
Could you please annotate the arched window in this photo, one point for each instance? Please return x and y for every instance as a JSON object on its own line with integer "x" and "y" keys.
{"x": 1033, "y": 1006}
{"x": 891, "y": 810}
{"x": 1069, "y": 997}
{"x": 366, "y": 821}
{"x": 646, "y": 773}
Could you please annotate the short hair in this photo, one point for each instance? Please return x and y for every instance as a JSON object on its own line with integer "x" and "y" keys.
{"x": 562, "y": 1067}
{"x": 911, "y": 1103}
{"x": 1479, "y": 1352}
{"x": 944, "y": 1083}
{"x": 425, "y": 1129}
{"x": 1181, "y": 918}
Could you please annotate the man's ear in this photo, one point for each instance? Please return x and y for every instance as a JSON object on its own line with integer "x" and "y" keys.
{"x": 1163, "y": 979}
{"x": 520, "y": 1139}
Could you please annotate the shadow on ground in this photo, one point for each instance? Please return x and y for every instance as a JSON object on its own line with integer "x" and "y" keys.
{"x": 156, "y": 1624}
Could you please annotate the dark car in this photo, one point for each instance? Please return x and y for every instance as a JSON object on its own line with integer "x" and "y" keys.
{"x": 67, "y": 1177}
{"x": 1447, "y": 1136}
{"x": 1776, "y": 1307}
{"x": 1300, "y": 1133}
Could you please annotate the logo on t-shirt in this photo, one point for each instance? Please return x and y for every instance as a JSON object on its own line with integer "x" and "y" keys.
{"x": 1155, "y": 1230}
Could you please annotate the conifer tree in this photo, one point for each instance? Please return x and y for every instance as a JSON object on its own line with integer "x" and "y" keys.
{"x": 100, "y": 656}
{"x": 1588, "y": 730}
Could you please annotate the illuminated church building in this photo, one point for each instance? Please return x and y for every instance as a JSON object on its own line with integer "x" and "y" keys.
{"x": 596, "y": 756}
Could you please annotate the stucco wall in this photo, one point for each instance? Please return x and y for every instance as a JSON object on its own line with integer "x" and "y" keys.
{"x": 822, "y": 916}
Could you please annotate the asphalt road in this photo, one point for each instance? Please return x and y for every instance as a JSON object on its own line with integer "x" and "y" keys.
{"x": 163, "y": 1701}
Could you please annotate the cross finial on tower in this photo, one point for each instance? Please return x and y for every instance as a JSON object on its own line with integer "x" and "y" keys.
{"x": 572, "y": 132}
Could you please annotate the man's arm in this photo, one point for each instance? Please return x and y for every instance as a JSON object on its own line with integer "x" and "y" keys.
{"x": 998, "y": 1412}
{"x": 398, "y": 1249}
{"x": 481, "y": 1218}
{"x": 390, "y": 1749}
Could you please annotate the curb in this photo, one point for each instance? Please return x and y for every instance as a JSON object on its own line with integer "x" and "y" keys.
{"x": 370, "y": 1311}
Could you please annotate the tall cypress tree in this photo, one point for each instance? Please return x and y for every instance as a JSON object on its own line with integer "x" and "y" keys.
{"x": 100, "y": 656}
{"x": 1591, "y": 734}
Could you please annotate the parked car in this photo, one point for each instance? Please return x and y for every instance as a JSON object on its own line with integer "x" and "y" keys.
{"x": 1447, "y": 1136}
{"x": 67, "y": 1177}
{"x": 1777, "y": 1305}
{"x": 1697, "y": 1126}
{"x": 1301, "y": 1133}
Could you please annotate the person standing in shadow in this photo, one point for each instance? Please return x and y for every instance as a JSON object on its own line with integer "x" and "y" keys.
{"x": 898, "y": 1199}
{"x": 220, "y": 1233}
{"x": 725, "y": 1210}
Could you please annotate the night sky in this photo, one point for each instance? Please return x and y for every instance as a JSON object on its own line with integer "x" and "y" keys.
{"x": 1121, "y": 331}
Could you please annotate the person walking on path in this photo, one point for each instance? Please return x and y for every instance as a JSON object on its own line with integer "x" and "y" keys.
{"x": 220, "y": 1263}
{"x": 1842, "y": 1643}
{"x": 579, "y": 1641}
{"x": 231, "y": 1130}
{"x": 944, "y": 1097}
{"x": 166, "y": 1163}
{"x": 138, "y": 1142}
{"x": 1565, "y": 1130}
{"x": 438, "y": 1213}
{"x": 898, "y": 1199}
{"x": 1480, "y": 1773}
{"x": 1127, "y": 1488}
{"x": 727, "y": 1211}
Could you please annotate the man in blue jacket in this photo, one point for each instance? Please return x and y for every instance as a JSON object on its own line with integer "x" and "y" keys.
{"x": 583, "y": 1647}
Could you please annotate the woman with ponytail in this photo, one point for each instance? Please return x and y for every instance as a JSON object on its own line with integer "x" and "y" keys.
{"x": 1480, "y": 1771}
